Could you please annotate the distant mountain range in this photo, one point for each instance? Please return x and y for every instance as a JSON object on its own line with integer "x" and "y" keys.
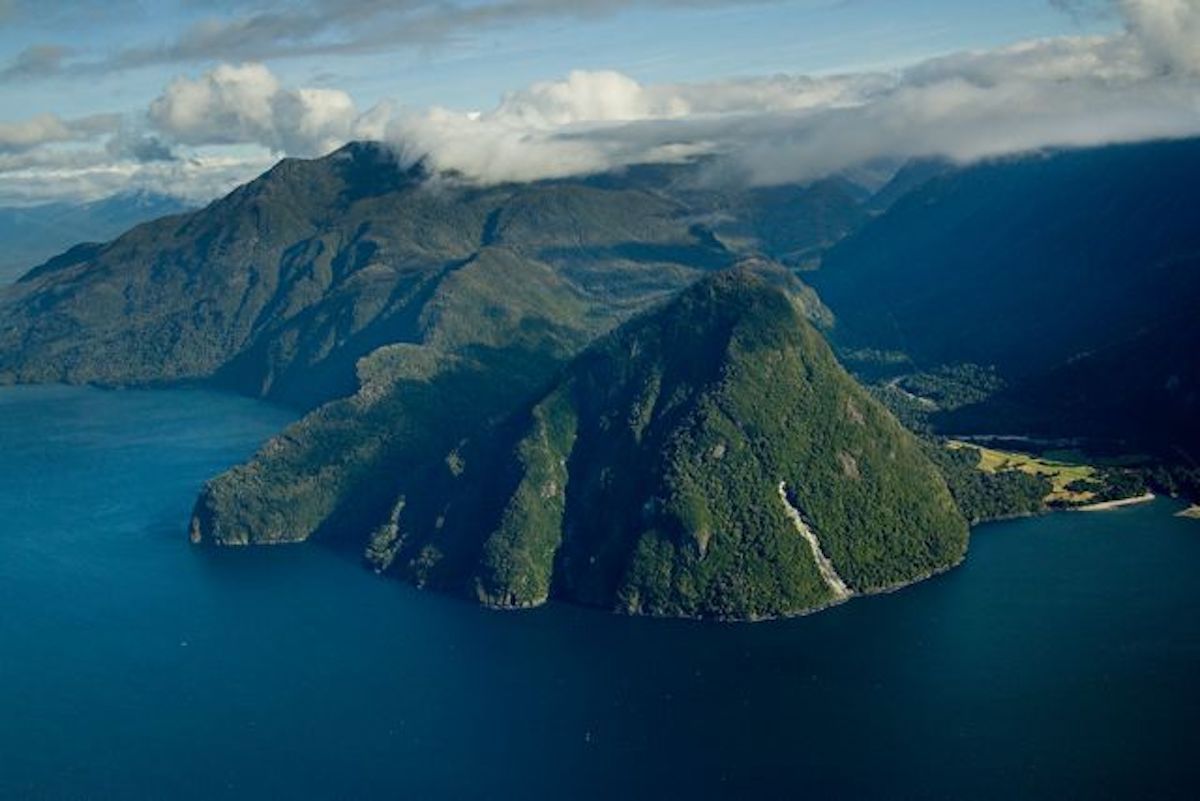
{"x": 1075, "y": 275}
{"x": 32, "y": 234}
{"x": 614, "y": 389}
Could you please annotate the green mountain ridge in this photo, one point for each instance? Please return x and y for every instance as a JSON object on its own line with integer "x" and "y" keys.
{"x": 281, "y": 287}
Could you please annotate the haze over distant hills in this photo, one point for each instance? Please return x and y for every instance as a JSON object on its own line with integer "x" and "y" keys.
{"x": 32, "y": 234}
{"x": 473, "y": 422}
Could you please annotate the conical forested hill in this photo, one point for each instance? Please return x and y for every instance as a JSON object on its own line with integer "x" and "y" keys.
{"x": 707, "y": 459}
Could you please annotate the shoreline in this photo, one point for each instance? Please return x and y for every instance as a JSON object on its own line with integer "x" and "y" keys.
{"x": 1117, "y": 504}
{"x": 1053, "y": 442}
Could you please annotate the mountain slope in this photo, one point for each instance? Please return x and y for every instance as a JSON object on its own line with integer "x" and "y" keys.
{"x": 792, "y": 224}
{"x": 677, "y": 467}
{"x": 1070, "y": 272}
{"x": 281, "y": 287}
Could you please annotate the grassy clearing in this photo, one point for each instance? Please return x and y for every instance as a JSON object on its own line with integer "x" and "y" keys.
{"x": 1062, "y": 468}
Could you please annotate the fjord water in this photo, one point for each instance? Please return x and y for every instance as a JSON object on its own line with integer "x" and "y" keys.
{"x": 1059, "y": 661}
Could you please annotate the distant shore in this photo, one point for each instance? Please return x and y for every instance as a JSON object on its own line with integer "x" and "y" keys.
{"x": 1192, "y": 511}
{"x": 1117, "y": 504}
{"x": 1059, "y": 442}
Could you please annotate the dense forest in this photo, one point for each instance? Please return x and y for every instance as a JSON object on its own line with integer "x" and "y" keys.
{"x": 984, "y": 496}
{"x": 649, "y": 478}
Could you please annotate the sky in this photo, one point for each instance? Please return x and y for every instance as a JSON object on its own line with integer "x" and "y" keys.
{"x": 195, "y": 96}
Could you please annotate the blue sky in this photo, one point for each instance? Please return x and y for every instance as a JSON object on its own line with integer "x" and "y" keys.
{"x": 663, "y": 44}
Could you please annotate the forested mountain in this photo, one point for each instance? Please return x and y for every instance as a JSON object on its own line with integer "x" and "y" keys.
{"x": 647, "y": 478}
{"x": 281, "y": 287}
{"x": 792, "y": 224}
{"x": 1075, "y": 274}
{"x": 418, "y": 316}
{"x": 610, "y": 389}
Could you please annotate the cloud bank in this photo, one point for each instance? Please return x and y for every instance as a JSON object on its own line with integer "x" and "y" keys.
{"x": 1169, "y": 31}
{"x": 1140, "y": 83}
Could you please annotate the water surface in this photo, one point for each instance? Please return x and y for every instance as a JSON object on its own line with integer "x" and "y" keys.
{"x": 1059, "y": 662}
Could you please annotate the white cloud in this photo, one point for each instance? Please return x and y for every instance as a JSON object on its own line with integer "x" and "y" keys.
{"x": 593, "y": 121}
{"x": 227, "y": 105}
{"x": 960, "y": 120}
{"x": 776, "y": 93}
{"x": 1169, "y": 31}
{"x": 527, "y": 136}
{"x": 201, "y": 137}
{"x": 602, "y": 96}
{"x": 49, "y": 129}
{"x": 89, "y": 174}
{"x": 240, "y": 104}
{"x": 1069, "y": 91}
{"x": 205, "y": 132}
{"x": 33, "y": 132}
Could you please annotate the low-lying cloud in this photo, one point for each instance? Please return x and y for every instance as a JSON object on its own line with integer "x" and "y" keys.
{"x": 48, "y": 129}
{"x": 87, "y": 174}
{"x": 1140, "y": 83}
{"x": 1169, "y": 31}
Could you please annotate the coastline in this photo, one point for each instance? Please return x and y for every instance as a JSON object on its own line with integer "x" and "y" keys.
{"x": 1192, "y": 512}
{"x": 1117, "y": 504}
{"x": 784, "y": 616}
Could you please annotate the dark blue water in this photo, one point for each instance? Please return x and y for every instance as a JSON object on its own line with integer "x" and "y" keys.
{"x": 1059, "y": 662}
